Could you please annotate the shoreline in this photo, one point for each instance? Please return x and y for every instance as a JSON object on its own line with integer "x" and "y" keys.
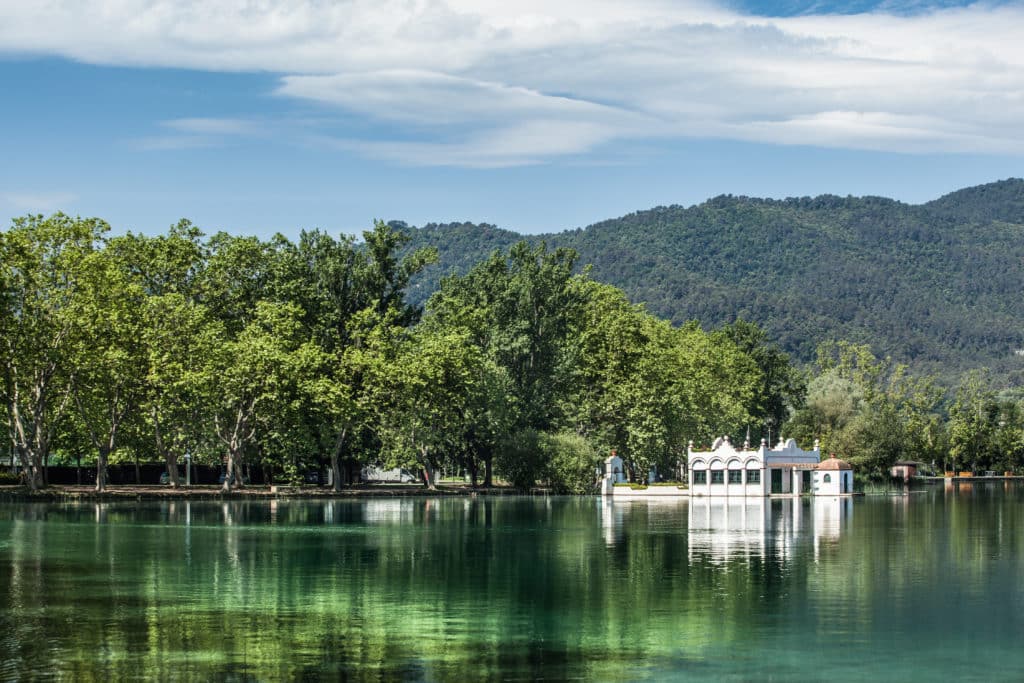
{"x": 72, "y": 493}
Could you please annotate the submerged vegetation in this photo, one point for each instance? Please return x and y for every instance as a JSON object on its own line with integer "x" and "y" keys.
{"x": 291, "y": 356}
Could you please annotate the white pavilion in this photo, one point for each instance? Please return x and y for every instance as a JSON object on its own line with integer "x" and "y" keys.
{"x": 785, "y": 469}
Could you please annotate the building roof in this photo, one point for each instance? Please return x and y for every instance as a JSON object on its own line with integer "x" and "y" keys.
{"x": 834, "y": 463}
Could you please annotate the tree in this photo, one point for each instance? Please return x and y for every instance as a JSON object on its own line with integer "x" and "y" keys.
{"x": 971, "y": 422}
{"x": 345, "y": 291}
{"x": 259, "y": 369}
{"x": 515, "y": 309}
{"x": 107, "y": 351}
{"x": 179, "y": 338}
{"x": 870, "y": 411}
{"x": 423, "y": 396}
{"x": 783, "y": 387}
{"x": 173, "y": 335}
{"x": 41, "y": 266}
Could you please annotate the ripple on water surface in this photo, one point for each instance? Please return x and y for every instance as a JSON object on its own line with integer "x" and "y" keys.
{"x": 517, "y": 588}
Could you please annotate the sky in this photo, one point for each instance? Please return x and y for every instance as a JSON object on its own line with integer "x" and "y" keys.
{"x": 262, "y": 116}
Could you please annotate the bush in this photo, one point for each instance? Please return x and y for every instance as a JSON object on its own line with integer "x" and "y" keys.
{"x": 518, "y": 459}
{"x": 572, "y": 462}
{"x": 6, "y": 478}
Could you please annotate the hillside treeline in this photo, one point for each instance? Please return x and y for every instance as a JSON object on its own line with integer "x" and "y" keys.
{"x": 935, "y": 286}
{"x": 289, "y": 356}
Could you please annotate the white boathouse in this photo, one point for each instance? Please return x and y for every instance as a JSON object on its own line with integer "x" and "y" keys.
{"x": 785, "y": 469}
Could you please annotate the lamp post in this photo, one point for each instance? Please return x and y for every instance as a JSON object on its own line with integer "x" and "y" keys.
{"x": 188, "y": 470}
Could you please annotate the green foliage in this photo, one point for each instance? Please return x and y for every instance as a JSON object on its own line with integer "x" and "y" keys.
{"x": 934, "y": 286}
{"x": 520, "y": 459}
{"x": 572, "y": 463}
{"x": 290, "y": 356}
{"x": 869, "y": 411}
{"x": 43, "y": 265}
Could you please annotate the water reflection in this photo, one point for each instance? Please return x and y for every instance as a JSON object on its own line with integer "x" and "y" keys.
{"x": 726, "y": 528}
{"x": 517, "y": 588}
{"x": 722, "y": 529}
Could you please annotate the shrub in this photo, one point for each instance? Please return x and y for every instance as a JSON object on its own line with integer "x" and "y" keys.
{"x": 519, "y": 459}
{"x": 6, "y": 478}
{"x": 572, "y": 462}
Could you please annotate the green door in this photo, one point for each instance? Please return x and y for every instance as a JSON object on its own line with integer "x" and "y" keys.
{"x": 776, "y": 481}
{"x": 806, "y": 487}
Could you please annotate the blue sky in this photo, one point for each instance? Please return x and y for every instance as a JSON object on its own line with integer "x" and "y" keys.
{"x": 265, "y": 117}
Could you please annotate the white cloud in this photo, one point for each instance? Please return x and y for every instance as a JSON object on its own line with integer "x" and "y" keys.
{"x": 211, "y": 126}
{"x": 196, "y": 133}
{"x": 518, "y": 144}
{"x": 489, "y": 83}
{"x": 38, "y": 202}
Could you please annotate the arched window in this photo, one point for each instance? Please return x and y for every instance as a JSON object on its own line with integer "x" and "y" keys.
{"x": 828, "y": 479}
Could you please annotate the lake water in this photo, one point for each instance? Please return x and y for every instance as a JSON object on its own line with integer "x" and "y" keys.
{"x": 923, "y": 587}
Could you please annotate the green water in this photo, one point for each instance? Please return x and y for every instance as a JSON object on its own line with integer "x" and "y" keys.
{"x": 924, "y": 587}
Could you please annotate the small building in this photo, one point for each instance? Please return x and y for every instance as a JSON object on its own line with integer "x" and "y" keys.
{"x": 785, "y": 469}
{"x": 614, "y": 473}
{"x": 904, "y": 469}
{"x": 614, "y": 469}
{"x": 835, "y": 477}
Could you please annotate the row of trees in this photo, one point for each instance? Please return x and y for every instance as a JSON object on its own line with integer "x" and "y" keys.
{"x": 874, "y": 413}
{"x": 302, "y": 355}
{"x": 294, "y": 355}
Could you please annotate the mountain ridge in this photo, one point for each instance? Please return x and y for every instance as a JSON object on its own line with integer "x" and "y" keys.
{"x": 935, "y": 285}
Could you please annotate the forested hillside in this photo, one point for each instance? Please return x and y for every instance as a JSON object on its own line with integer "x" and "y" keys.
{"x": 937, "y": 285}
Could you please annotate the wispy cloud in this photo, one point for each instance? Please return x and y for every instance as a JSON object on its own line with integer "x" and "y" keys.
{"x": 211, "y": 126}
{"x": 38, "y": 202}
{"x": 196, "y": 133}
{"x": 488, "y": 83}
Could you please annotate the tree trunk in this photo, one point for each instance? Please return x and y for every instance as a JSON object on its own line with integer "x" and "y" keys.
{"x": 488, "y": 469}
{"x": 429, "y": 472}
{"x": 233, "y": 474}
{"x": 31, "y": 468}
{"x": 169, "y": 458}
{"x": 336, "y": 461}
{"x": 101, "y": 470}
{"x": 172, "y": 469}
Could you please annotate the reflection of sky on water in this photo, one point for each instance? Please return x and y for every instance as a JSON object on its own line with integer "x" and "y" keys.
{"x": 721, "y": 529}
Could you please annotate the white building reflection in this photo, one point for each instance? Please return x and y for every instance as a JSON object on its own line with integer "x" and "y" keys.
{"x": 390, "y": 510}
{"x": 612, "y": 516}
{"x": 728, "y": 528}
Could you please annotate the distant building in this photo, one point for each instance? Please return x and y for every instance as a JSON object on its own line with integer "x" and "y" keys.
{"x": 785, "y": 469}
{"x": 904, "y": 469}
{"x": 614, "y": 473}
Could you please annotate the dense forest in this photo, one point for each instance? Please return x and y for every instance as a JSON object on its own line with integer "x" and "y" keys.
{"x": 310, "y": 354}
{"x": 935, "y": 286}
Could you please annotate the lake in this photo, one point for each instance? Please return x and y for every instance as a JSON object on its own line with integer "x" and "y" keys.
{"x": 918, "y": 587}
